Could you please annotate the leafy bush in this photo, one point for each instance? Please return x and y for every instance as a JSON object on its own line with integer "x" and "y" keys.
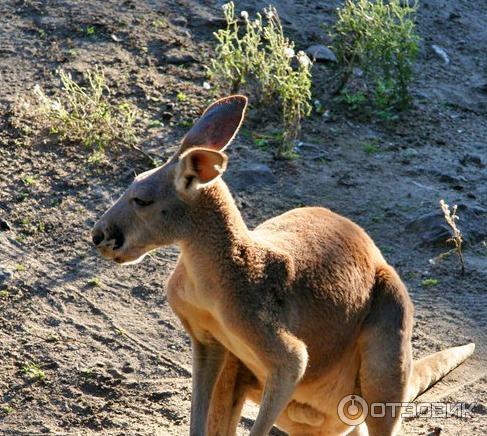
{"x": 236, "y": 55}
{"x": 378, "y": 37}
{"x": 86, "y": 114}
{"x": 259, "y": 55}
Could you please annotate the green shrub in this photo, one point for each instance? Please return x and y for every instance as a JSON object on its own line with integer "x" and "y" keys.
{"x": 379, "y": 37}
{"x": 236, "y": 55}
{"x": 85, "y": 114}
{"x": 258, "y": 55}
{"x": 33, "y": 372}
{"x": 429, "y": 282}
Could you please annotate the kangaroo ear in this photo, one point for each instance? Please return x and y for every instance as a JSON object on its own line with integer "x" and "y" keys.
{"x": 218, "y": 125}
{"x": 199, "y": 167}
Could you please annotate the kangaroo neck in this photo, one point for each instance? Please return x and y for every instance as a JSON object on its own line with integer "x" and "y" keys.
{"x": 219, "y": 239}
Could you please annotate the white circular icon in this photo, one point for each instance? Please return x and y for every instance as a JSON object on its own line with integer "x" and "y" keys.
{"x": 352, "y": 410}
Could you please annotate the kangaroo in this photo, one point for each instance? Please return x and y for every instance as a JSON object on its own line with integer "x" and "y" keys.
{"x": 294, "y": 315}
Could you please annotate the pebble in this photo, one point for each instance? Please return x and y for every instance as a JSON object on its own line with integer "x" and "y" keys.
{"x": 441, "y": 52}
{"x": 4, "y": 225}
{"x": 321, "y": 53}
{"x": 447, "y": 178}
{"x": 127, "y": 368}
{"x": 5, "y": 274}
{"x": 160, "y": 395}
{"x": 433, "y": 229}
{"x": 179, "y": 21}
{"x": 253, "y": 175}
{"x": 180, "y": 59}
{"x": 166, "y": 115}
{"x": 430, "y": 227}
{"x": 313, "y": 151}
{"x": 472, "y": 159}
{"x": 357, "y": 72}
{"x": 115, "y": 373}
{"x": 410, "y": 152}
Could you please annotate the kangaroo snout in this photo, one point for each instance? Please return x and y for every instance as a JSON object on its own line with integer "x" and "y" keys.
{"x": 105, "y": 236}
{"x": 97, "y": 236}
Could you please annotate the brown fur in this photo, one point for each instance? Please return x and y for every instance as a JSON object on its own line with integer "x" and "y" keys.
{"x": 295, "y": 315}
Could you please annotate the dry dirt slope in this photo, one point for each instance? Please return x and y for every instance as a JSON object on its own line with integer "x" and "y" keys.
{"x": 114, "y": 357}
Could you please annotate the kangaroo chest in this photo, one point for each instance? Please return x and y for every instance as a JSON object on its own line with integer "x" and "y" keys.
{"x": 201, "y": 317}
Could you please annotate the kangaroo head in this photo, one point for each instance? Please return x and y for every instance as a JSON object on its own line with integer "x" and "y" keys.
{"x": 157, "y": 208}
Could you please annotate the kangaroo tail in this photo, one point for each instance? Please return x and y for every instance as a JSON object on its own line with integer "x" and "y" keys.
{"x": 430, "y": 369}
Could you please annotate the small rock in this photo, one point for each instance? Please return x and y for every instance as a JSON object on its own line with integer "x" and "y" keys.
{"x": 252, "y": 176}
{"x": 357, "y": 72}
{"x": 473, "y": 159}
{"x": 432, "y": 228}
{"x": 313, "y": 151}
{"x": 127, "y": 368}
{"x": 5, "y": 274}
{"x": 180, "y": 59}
{"x": 308, "y": 147}
{"x": 454, "y": 16}
{"x": 460, "y": 97}
{"x": 179, "y": 21}
{"x": 441, "y": 53}
{"x": 456, "y": 180}
{"x": 4, "y": 225}
{"x": 115, "y": 373}
{"x": 187, "y": 34}
{"x": 48, "y": 22}
{"x": 51, "y": 365}
{"x": 481, "y": 87}
{"x": 435, "y": 431}
{"x": 132, "y": 384}
{"x": 53, "y": 321}
{"x": 410, "y": 152}
{"x": 161, "y": 395}
{"x": 321, "y": 53}
{"x": 217, "y": 22}
{"x": 346, "y": 179}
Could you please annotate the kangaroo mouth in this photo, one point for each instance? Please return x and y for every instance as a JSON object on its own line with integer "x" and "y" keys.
{"x": 129, "y": 260}
{"x": 125, "y": 256}
{"x": 122, "y": 255}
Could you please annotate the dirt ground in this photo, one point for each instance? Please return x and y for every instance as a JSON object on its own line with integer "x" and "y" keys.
{"x": 115, "y": 359}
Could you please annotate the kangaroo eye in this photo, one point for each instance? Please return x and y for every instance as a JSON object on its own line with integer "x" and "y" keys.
{"x": 142, "y": 203}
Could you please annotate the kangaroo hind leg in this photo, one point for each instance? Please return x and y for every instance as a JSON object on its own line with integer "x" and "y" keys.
{"x": 385, "y": 353}
{"x": 228, "y": 397}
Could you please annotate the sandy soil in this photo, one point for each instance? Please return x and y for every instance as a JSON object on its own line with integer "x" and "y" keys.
{"x": 115, "y": 358}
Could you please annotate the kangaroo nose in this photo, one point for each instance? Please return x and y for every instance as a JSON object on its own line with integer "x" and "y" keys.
{"x": 98, "y": 236}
